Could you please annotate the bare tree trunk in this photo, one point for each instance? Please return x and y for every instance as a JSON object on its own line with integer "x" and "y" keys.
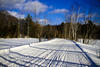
{"x": 70, "y": 30}
{"x": 19, "y": 29}
{"x": 28, "y": 31}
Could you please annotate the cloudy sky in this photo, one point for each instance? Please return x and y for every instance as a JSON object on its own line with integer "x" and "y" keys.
{"x": 52, "y": 11}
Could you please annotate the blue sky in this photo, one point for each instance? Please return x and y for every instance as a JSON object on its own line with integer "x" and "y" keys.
{"x": 52, "y": 11}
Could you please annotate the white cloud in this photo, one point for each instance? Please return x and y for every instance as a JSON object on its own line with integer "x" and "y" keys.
{"x": 35, "y": 6}
{"x": 21, "y": 4}
{"x": 30, "y": 6}
{"x": 10, "y": 4}
{"x": 59, "y": 11}
{"x": 81, "y": 15}
{"x": 16, "y": 14}
{"x": 43, "y": 21}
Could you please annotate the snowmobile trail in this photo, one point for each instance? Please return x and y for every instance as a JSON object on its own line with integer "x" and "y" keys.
{"x": 53, "y": 53}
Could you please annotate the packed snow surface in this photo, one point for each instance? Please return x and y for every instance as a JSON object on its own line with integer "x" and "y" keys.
{"x": 53, "y": 53}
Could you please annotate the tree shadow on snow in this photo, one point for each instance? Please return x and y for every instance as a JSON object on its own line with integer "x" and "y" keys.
{"x": 88, "y": 58}
{"x": 37, "y": 60}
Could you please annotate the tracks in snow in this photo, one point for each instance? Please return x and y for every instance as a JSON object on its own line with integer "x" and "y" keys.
{"x": 55, "y": 53}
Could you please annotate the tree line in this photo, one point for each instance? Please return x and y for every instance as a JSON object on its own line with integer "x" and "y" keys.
{"x": 11, "y": 27}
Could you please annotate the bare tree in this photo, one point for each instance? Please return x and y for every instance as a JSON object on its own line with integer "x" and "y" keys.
{"x": 89, "y": 26}
{"x": 37, "y": 20}
{"x": 74, "y": 19}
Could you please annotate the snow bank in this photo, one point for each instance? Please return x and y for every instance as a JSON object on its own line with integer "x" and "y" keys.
{"x": 14, "y": 42}
{"x": 93, "y": 50}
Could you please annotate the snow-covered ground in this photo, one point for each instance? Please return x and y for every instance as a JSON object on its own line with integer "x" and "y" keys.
{"x": 14, "y": 42}
{"x": 53, "y": 53}
{"x": 93, "y": 50}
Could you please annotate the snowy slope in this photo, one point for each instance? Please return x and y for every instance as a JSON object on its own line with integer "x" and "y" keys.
{"x": 93, "y": 50}
{"x": 53, "y": 53}
{"x": 14, "y": 42}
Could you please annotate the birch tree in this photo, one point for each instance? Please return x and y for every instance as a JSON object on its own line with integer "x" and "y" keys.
{"x": 74, "y": 20}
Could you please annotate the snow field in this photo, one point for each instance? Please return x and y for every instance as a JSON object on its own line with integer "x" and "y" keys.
{"x": 53, "y": 53}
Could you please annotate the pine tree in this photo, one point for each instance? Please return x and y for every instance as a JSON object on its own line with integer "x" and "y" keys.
{"x": 29, "y": 21}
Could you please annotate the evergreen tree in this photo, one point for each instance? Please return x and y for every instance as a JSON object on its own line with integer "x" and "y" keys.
{"x": 29, "y": 26}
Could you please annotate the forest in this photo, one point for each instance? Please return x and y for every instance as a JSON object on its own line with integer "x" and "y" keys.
{"x": 12, "y": 27}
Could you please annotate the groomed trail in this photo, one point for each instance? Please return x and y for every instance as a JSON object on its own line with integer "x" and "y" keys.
{"x": 53, "y": 53}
